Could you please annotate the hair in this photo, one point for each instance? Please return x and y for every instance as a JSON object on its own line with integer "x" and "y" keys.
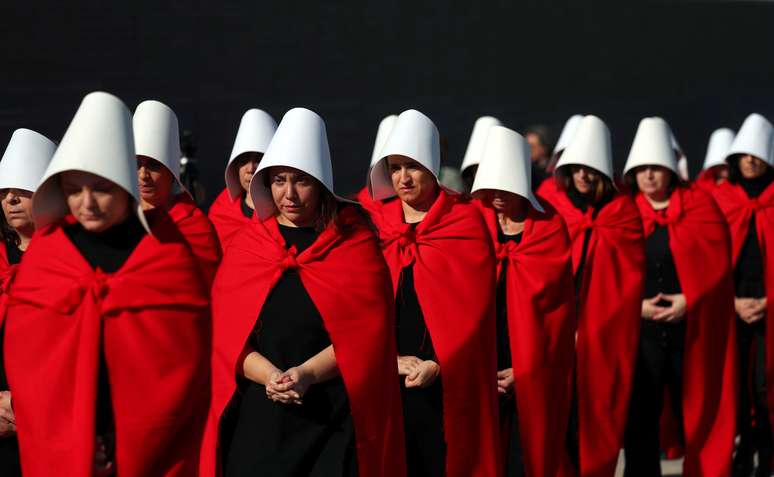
{"x": 603, "y": 190}
{"x": 630, "y": 181}
{"x": 328, "y": 212}
{"x": 735, "y": 175}
{"x": 7, "y": 233}
{"x": 544, "y": 134}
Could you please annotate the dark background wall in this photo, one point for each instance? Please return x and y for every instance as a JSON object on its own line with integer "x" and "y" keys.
{"x": 700, "y": 65}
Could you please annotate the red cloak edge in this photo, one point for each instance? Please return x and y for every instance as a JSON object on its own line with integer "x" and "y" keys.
{"x": 701, "y": 245}
{"x": 151, "y": 321}
{"x": 541, "y": 325}
{"x": 227, "y": 217}
{"x": 609, "y": 310}
{"x": 454, "y": 277}
{"x": 345, "y": 275}
{"x": 199, "y": 232}
{"x": 738, "y": 209}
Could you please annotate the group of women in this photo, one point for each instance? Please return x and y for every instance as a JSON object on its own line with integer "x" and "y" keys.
{"x": 419, "y": 331}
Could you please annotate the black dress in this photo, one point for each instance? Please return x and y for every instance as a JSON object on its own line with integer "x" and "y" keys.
{"x": 422, "y": 407}
{"x": 659, "y": 364}
{"x": 755, "y": 431}
{"x": 247, "y": 211}
{"x": 272, "y": 439}
{"x": 509, "y": 418}
{"x": 106, "y": 251}
{"x": 9, "y": 446}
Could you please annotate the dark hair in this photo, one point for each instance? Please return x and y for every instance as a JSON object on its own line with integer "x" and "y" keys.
{"x": 630, "y": 181}
{"x": 603, "y": 191}
{"x": 7, "y": 233}
{"x": 735, "y": 175}
{"x": 544, "y": 134}
{"x": 329, "y": 204}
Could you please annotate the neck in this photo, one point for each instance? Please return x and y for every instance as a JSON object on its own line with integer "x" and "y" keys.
{"x": 413, "y": 213}
{"x": 282, "y": 220}
{"x": 249, "y": 201}
{"x": 160, "y": 204}
{"x": 25, "y": 235}
{"x": 658, "y": 200}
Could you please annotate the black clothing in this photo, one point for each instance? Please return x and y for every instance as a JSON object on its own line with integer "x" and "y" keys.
{"x": 10, "y": 466}
{"x": 509, "y": 420}
{"x": 661, "y": 274}
{"x": 106, "y": 251}
{"x": 422, "y": 407}
{"x": 247, "y": 211}
{"x": 316, "y": 438}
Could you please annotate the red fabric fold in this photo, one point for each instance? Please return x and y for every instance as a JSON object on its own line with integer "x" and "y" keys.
{"x": 454, "y": 276}
{"x": 227, "y": 217}
{"x": 149, "y": 320}
{"x": 739, "y": 209}
{"x": 199, "y": 232}
{"x": 608, "y": 321}
{"x": 541, "y": 328}
{"x": 346, "y": 278}
{"x": 701, "y": 245}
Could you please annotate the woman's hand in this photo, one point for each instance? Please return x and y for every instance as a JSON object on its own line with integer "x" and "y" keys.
{"x": 423, "y": 375}
{"x": 7, "y": 418}
{"x": 279, "y": 389}
{"x": 407, "y": 364}
{"x": 505, "y": 381}
{"x": 750, "y": 310}
{"x": 675, "y": 312}
{"x": 650, "y": 307}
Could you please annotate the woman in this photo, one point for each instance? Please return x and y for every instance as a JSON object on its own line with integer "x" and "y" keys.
{"x": 686, "y": 333}
{"x": 363, "y": 197}
{"x": 475, "y": 148}
{"x": 747, "y": 201}
{"x": 233, "y": 208}
{"x": 535, "y": 307}
{"x": 107, "y": 329}
{"x": 608, "y": 263}
{"x": 442, "y": 267}
{"x": 157, "y": 145}
{"x": 302, "y": 313}
{"x": 23, "y": 164}
{"x": 715, "y": 169}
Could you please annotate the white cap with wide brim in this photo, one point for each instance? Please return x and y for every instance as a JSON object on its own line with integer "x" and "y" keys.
{"x": 382, "y": 133}
{"x": 590, "y": 147}
{"x": 717, "y": 149}
{"x": 25, "y": 160}
{"x": 756, "y": 138}
{"x": 256, "y": 129}
{"x": 568, "y": 132}
{"x": 414, "y": 136}
{"x": 301, "y": 142}
{"x": 156, "y": 135}
{"x": 477, "y": 139}
{"x": 682, "y": 160}
{"x": 100, "y": 141}
{"x": 506, "y": 165}
{"x": 652, "y": 146}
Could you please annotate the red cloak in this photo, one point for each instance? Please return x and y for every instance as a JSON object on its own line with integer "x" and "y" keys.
{"x": 346, "y": 278}
{"x": 701, "y": 245}
{"x": 7, "y": 272}
{"x": 199, "y": 232}
{"x": 454, "y": 276}
{"x": 150, "y": 321}
{"x": 227, "y": 217}
{"x": 541, "y": 325}
{"x": 739, "y": 209}
{"x": 610, "y": 302}
{"x": 707, "y": 180}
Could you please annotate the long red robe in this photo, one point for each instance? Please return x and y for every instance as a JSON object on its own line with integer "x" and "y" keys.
{"x": 454, "y": 276}
{"x": 701, "y": 245}
{"x": 199, "y": 232}
{"x": 541, "y": 328}
{"x": 7, "y": 271}
{"x": 707, "y": 180}
{"x": 346, "y": 278}
{"x": 739, "y": 209}
{"x": 610, "y": 301}
{"x": 227, "y": 217}
{"x": 149, "y": 320}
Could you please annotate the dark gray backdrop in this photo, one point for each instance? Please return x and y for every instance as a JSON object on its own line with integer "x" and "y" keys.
{"x": 699, "y": 64}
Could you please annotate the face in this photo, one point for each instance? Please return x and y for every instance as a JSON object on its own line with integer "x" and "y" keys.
{"x": 537, "y": 149}
{"x": 508, "y": 203}
{"x": 585, "y": 179}
{"x": 155, "y": 181}
{"x": 653, "y": 180}
{"x": 414, "y": 184}
{"x": 246, "y": 165}
{"x": 96, "y": 203}
{"x": 296, "y": 195}
{"x": 751, "y": 167}
{"x": 17, "y": 208}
